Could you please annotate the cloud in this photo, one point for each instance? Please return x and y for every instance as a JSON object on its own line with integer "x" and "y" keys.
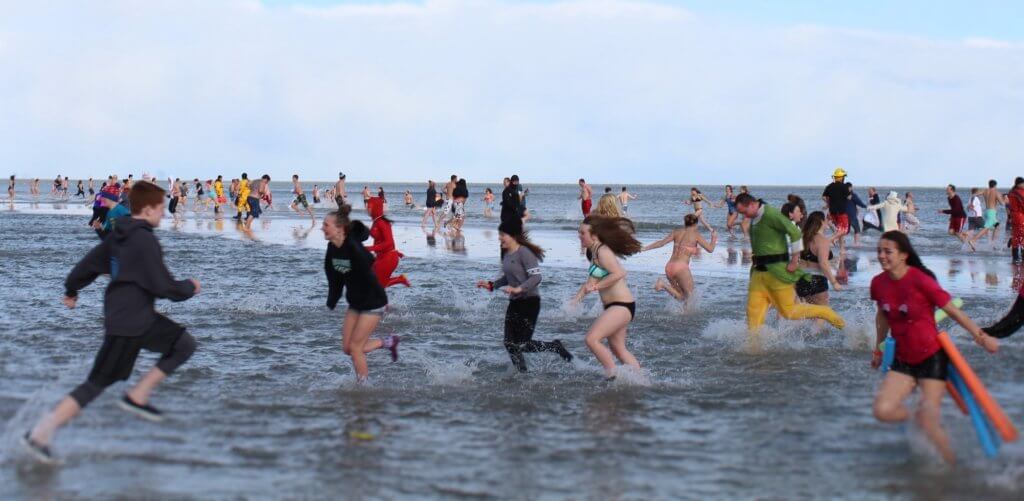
{"x": 609, "y": 90}
{"x": 987, "y": 43}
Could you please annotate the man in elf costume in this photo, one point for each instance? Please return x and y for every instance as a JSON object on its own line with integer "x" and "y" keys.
{"x": 775, "y": 272}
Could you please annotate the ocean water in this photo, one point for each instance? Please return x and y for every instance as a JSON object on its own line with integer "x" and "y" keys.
{"x": 268, "y": 406}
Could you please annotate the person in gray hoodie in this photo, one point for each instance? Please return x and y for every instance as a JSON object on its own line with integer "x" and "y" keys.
{"x": 133, "y": 258}
{"x": 521, "y": 279}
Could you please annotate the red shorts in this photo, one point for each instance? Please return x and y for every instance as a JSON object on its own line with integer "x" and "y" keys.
{"x": 956, "y": 224}
{"x": 586, "y": 207}
{"x": 841, "y": 221}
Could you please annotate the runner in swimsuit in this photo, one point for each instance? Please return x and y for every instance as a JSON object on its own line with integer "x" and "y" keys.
{"x": 607, "y": 239}
{"x": 488, "y": 202}
{"x": 685, "y": 241}
{"x": 696, "y": 199}
{"x": 813, "y": 289}
{"x": 729, "y": 200}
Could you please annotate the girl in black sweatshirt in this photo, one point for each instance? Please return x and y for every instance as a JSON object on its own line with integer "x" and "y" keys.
{"x": 348, "y": 264}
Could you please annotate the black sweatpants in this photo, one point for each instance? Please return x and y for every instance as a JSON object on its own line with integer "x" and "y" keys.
{"x": 116, "y": 358}
{"x": 1010, "y": 323}
{"x": 520, "y": 321}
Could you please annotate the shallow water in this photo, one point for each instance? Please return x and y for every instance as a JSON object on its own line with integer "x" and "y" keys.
{"x": 268, "y": 407}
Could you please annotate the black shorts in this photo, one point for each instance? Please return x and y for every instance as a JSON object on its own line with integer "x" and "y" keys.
{"x": 254, "y": 207}
{"x": 933, "y": 367}
{"x": 172, "y": 207}
{"x": 811, "y": 286}
{"x": 116, "y": 358}
{"x": 975, "y": 223}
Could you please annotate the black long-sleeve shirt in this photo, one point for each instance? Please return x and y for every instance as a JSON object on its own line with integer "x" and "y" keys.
{"x": 511, "y": 205}
{"x": 132, "y": 256}
{"x": 956, "y": 207}
{"x": 351, "y": 265}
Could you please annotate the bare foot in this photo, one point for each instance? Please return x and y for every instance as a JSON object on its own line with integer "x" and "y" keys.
{"x": 659, "y": 285}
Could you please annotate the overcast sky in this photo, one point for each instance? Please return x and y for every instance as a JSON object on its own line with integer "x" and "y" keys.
{"x": 689, "y": 92}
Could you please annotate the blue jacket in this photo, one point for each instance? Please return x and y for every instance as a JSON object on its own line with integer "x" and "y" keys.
{"x": 852, "y": 203}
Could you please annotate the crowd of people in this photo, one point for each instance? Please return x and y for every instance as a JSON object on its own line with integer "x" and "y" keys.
{"x": 792, "y": 272}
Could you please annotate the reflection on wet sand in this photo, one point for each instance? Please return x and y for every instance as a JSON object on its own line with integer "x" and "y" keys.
{"x": 478, "y": 242}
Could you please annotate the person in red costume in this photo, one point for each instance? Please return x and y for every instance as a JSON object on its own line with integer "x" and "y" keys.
{"x": 383, "y": 246}
{"x": 1015, "y": 208}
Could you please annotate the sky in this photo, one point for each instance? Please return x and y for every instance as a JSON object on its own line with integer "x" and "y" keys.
{"x": 687, "y": 92}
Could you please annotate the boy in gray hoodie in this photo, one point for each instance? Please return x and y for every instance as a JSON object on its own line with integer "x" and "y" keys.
{"x": 132, "y": 256}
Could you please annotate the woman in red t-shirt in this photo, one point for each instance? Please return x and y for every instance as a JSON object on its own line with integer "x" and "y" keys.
{"x": 907, "y": 294}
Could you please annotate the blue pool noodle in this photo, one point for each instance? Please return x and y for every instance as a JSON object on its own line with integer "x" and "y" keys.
{"x": 978, "y": 419}
{"x": 888, "y": 354}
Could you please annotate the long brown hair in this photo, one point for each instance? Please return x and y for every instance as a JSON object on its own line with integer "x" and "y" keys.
{"x": 812, "y": 226}
{"x": 616, "y": 233}
{"x": 689, "y": 220}
{"x": 524, "y": 240}
{"x": 903, "y": 244}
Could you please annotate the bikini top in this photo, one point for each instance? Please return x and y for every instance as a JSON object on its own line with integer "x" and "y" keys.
{"x": 811, "y": 258}
{"x": 596, "y": 270}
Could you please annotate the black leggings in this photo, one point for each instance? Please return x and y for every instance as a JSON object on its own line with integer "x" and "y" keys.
{"x": 116, "y": 357}
{"x": 1010, "y": 323}
{"x": 520, "y": 320}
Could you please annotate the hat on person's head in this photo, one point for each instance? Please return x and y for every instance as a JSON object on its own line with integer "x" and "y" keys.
{"x": 513, "y": 227}
{"x": 839, "y": 172}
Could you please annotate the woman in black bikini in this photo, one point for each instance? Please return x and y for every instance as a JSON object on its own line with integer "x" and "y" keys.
{"x": 606, "y": 240}
{"x": 696, "y": 199}
{"x": 814, "y": 259}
